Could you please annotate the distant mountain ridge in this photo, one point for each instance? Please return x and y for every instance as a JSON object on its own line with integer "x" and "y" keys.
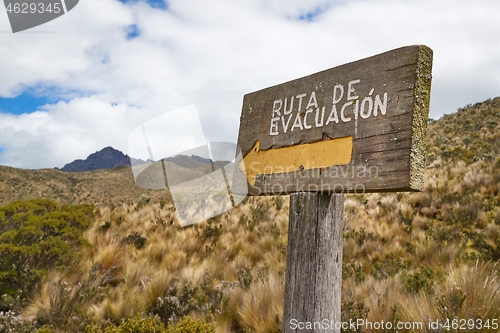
{"x": 107, "y": 158}
{"x": 200, "y": 159}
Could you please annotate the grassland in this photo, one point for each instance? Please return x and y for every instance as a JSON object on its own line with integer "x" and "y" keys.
{"x": 407, "y": 256}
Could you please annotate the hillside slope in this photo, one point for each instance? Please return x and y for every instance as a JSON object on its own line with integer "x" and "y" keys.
{"x": 108, "y": 185}
{"x": 470, "y": 134}
{"x": 111, "y": 187}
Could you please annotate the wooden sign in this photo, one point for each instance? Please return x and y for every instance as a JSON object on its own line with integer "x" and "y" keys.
{"x": 360, "y": 127}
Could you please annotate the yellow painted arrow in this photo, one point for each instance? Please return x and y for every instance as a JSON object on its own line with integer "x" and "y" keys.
{"x": 321, "y": 154}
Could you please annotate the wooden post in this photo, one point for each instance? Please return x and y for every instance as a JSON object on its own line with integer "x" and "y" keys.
{"x": 314, "y": 261}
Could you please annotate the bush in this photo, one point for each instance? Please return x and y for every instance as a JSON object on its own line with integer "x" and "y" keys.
{"x": 137, "y": 324}
{"x": 135, "y": 239}
{"x": 143, "y": 201}
{"x": 10, "y": 322}
{"x": 420, "y": 280}
{"x": 353, "y": 270}
{"x": 38, "y": 235}
{"x": 466, "y": 215}
{"x": 388, "y": 266}
{"x": 141, "y": 324}
{"x": 176, "y": 303}
{"x": 353, "y": 310}
{"x": 189, "y": 325}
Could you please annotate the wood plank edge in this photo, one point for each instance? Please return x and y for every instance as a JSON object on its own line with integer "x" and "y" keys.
{"x": 420, "y": 118}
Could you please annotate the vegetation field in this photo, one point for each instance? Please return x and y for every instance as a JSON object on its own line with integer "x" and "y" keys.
{"x": 70, "y": 265}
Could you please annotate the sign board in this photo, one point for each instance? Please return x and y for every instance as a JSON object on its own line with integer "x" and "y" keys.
{"x": 360, "y": 127}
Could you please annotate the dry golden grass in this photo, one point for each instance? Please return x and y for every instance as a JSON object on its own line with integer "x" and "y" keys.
{"x": 262, "y": 305}
{"x": 244, "y": 257}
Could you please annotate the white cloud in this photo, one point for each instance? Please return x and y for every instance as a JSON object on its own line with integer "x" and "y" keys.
{"x": 211, "y": 54}
{"x": 70, "y": 48}
{"x": 64, "y": 132}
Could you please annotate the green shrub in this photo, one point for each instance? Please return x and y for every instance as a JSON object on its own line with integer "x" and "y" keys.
{"x": 245, "y": 277}
{"x": 420, "y": 280}
{"x": 141, "y": 324}
{"x": 211, "y": 231}
{"x": 496, "y": 167}
{"x": 353, "y": 270}
{"x": 10, "y": 322}
{"x": 451, "y": 302}
{"x": 35, "y": 236}
{"x": 446, "y": 234}
{"x": 189, "y": 325}
{"x": 183, "y": 298}
{"x": 353, "y": 310}
{"x": 143, "y": 201}
{"x": 481, "y": 244}
{"x": 135, "y": 239}
{"x": 137, "y": 324}
{"x": 387, "y": 266}
{"x": 466, "y": 215}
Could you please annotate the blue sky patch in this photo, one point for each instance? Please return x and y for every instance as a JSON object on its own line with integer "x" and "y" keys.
{"x": 132, "y": 31}
{"x": 24, "y": 103}
{"x": 32, "y": 98}
{"x": 312, "y": 15}
{"x": 161, "y": 4}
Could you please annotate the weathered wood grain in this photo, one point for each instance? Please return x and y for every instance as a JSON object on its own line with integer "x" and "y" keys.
{"x": 314, "y": 260}
{"x": 392, "y": 146}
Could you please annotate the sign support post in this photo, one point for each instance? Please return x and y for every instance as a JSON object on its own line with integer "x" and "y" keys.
{"x": 357, "y": 128}
{"x": 314, "y": 260}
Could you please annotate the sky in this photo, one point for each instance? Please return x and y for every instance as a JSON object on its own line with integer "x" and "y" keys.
{"x": 87, "y": 79}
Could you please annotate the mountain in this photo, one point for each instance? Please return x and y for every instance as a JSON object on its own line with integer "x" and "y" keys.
{"x": 200, "y": 159}
{"x": 109, "y": 158}
{"x": 106, "y": 158}
{"x": 178, "y": 169}
{"x": 186, "y": 162}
